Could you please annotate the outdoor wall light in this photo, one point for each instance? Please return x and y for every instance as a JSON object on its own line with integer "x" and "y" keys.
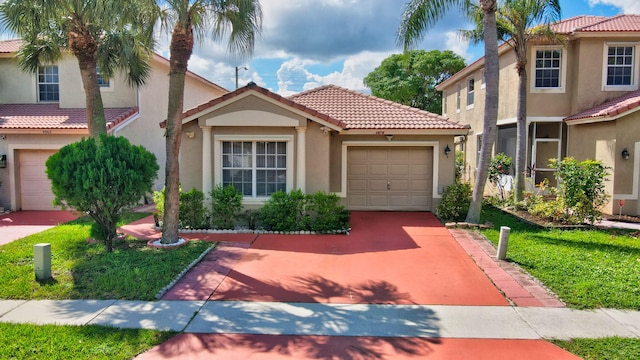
{"x": 3, "y": 161}
{"x": 190, "y": 134}
{"x": 625, "y": 154}
{"x": 447, "y": 150}
{"x": 389, "y": 137}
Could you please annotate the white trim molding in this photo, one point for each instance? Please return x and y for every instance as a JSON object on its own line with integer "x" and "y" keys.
{"x": 436, "y": 163}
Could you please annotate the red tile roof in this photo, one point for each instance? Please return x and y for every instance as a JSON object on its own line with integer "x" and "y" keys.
{"x": 253, "y": 87}
{"x": 10, "y": 46}
{"x": 346, "y": 108}
{"x": 360, "y": 111}
{"x": 611, "y": 108}
{"x": 50, "y": 116}
{"x": 583, "y": 23}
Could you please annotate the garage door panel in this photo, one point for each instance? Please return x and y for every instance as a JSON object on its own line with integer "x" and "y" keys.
{"x": 400, "y": 169}
{"x": 358, "y": 170}
{"x": 358, "y": 185}
{"x": 35, "y": 187}
{"x": 379, "y": 169}
{"x": 407, "y": 169}
{"x": 378, "y": 185}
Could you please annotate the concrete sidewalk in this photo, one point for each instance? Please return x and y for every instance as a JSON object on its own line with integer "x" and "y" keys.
{"x": 271, "y": 318}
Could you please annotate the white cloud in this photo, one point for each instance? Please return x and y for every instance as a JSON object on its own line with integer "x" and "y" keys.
{"x": 458, "y": 45}
{"x": 627, "y": 6}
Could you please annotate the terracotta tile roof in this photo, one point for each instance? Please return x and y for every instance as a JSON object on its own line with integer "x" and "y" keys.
{"x": 618, "y": 23}
{"x": 611, "y": 108}
{"x": 50, "y": 116}
{"x": 360, "y": 111}
{"x": 10, "y": 46}
{"x": 253, "y": 87}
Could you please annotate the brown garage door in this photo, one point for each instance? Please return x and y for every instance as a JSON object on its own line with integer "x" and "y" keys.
{"x": 390, "y": 178}
{"x": 35, "y": 187}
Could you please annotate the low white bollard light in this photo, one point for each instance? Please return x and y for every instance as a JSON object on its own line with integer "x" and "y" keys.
{"x": 42, "y": 260}
{"x": 503, "y": 243}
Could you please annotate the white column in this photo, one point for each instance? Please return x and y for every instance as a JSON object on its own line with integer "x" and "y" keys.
{"x": 301, "y": 158}
{"x": 207, "y": 179}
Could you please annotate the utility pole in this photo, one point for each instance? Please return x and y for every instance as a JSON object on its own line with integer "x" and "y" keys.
{"x": 238, "y": 68}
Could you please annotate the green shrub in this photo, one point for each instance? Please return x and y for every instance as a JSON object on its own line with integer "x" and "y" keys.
{"x": 455, "y": 202}
{"x": 285, "y": 212}
{"x": 325, "y": 214}
{"x": 158, "y": 199}
{"x": 581, "y": 187}
{"x": 193, "y": 214}
{"x": 226, "y": 206}
{"x": 459, "y": 165}
{"x": 101, "y": 179}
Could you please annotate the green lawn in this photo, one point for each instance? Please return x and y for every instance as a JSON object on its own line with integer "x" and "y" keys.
{"x": 586, "y": 268}
{"x": 86, "y": 271}
{"x": 609, "y": 348}
{"x": 22, "y": 341}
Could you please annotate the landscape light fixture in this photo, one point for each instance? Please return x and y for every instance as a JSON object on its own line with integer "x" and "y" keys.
{"x": 447, "y": 150}
{"x": 625, "y": 154}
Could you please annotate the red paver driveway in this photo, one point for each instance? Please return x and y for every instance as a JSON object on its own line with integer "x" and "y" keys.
{"x": 389, "y": 258}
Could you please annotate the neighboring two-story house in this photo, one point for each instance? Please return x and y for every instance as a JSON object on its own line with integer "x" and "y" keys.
{"x": 583, "y": 101}
{"x": 40, "y": 113}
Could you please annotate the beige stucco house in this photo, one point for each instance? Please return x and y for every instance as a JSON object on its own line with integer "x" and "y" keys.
{"x": 373, "y": 153}
{"x": 40, "y": 113}
{"x": 582, "y": 101}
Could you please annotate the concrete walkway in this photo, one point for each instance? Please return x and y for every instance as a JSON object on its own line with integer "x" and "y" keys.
{"x": 276, "y": 318}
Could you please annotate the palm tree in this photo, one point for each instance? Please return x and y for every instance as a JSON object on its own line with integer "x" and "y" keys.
{"x": 241, "y": 20}
{"x": 519, "y": 22}
{"x": 112, "y": 35}
{"x": 420, "y": 15}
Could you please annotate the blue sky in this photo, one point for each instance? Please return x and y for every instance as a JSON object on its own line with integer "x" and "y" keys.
{"x": 309, "y": 43}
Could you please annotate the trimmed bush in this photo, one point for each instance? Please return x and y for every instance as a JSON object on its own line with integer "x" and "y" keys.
{"x": 324, "y": 212}
{"x": 455, "y": 202}
{"x": 284, "y": 212}
{"x": 101, "y": 179}
{"x": 226, "y": 206}
{"x": 192, "y": 211}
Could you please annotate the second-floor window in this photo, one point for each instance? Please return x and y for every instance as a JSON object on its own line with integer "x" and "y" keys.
{"x": 620, "y": 65}
{"x": 103, "y": 81}
{"x": 547, "y": 74}
{"x": 48, "y": 84}
{"x": 470, "y": 91}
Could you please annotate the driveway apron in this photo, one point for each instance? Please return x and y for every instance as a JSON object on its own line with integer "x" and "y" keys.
{"x": 17, "y": 225}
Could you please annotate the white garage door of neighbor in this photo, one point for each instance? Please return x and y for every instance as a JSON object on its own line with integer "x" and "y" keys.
{"x": 35, "y": 187}
{"x": 390, "y": 178}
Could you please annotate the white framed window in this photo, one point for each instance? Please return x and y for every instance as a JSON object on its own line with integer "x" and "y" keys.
{"x": 257, "y": 166}
{"x": 458, "y": 98}
{"x": 549, "y": 69}
{"x": 48, "y": 84}
{"x": 471, "y": 84}
{"x": 620, "y": 70}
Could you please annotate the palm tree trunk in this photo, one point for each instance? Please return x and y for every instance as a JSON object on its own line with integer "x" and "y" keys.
{"x": 490, "y": 109}
{"x": 181, "y": 48}
{"x": 85, "y": 49}
{"x": 521, "y": 130}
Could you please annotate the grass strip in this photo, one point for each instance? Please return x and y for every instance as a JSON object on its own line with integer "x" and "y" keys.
{"x": 587, "y": 268}
{"x": 25, "y": 341}
{"x": 614, "y": 348}
{"x": 82, "y": 270}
